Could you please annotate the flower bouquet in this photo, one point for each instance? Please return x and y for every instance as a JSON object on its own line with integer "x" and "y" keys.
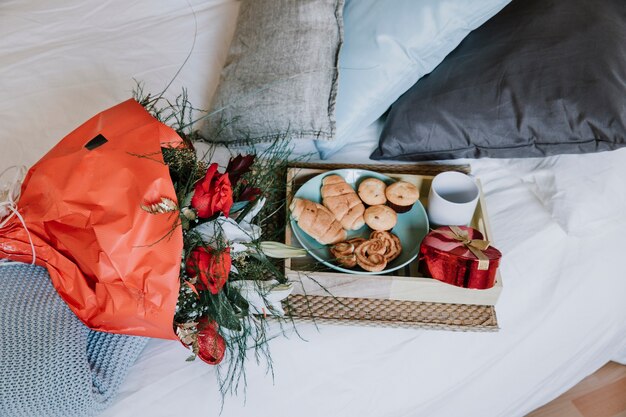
{"x": 142, "y": 237}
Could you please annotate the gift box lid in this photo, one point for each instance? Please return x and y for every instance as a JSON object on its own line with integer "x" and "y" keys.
{"x": 462, "y": 242}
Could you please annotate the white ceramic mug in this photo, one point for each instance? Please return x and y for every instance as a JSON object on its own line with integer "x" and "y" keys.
{"x": 452, "y": 199}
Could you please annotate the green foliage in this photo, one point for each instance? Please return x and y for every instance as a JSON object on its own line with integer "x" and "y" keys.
{"x": 245, "y": 334}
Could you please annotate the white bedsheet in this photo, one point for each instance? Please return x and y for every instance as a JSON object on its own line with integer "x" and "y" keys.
{"x": 559, "y": 221}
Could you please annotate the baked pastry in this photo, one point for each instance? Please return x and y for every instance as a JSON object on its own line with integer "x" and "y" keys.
{"x": 356, "y": 241}
{"x": 344, "y": 251}
{"x": 344, "y": 254}
{"x": 339, "y": 197}
{"x": 392, "y": 244}
{"x": 372, "y": 255}
{"x": 372, "y": 191}
{"x": 401, "y": 196}
{"x": 369, "y": 255}
{"x": 380, "y": 217}
{"x": 317, "y": 221}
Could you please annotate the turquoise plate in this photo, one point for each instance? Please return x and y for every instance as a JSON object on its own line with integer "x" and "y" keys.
{"x": 411, "y": 228}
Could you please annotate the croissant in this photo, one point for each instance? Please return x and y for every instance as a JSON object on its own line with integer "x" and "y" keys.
{"x": 317, "y": 221}
{"x": 343, "y": 202}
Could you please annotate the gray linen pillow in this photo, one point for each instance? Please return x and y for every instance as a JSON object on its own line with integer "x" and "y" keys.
{"x": 280, "y": 77}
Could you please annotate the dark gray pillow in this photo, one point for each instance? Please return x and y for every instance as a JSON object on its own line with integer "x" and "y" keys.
{"x": 542, "y": 77}
{"x": 280, "y": 77}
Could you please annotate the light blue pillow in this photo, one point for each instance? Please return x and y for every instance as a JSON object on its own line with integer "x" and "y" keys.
{"x": 389, "y": 45}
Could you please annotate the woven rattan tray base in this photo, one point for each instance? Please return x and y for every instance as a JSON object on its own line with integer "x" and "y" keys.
{"x": 392, "y": 313}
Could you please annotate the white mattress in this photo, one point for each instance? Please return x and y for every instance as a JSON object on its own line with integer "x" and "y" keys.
{"x": 559, "y": 222}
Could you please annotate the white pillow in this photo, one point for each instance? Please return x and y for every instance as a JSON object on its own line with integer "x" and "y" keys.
{"x": 388, "y": 46}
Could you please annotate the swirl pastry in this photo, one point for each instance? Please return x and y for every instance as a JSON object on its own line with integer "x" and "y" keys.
{"x": 356, "y": 241}
{"x": 344, "y": 251}
{"x": 370, "y": 255}
{"x": 392, "y": 244}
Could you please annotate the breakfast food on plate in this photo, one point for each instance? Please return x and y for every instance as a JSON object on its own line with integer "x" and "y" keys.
{"x": 369, "y": 255}
{"x": 401, "y": 196}
{"x": 380, "y": 217}
{"x": 372, "y": 191}
{"x": 392, "y": 244}
{"x": 317, "y": 221}
{"x": 339, "y": 197}
{"x": 344, "y": 252}
{"x": 342, "y": 209}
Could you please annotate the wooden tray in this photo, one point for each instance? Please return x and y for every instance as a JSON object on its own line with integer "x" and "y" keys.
{"x": 419, "y": 300}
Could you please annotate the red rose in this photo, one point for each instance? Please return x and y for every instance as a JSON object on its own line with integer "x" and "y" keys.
{"x": 213, "y": 194}
{"x": 211, "y": 345}
{"x": 212, "y": 268}
{"x": 249, "y": 194}
{"x": 238, "y": 166}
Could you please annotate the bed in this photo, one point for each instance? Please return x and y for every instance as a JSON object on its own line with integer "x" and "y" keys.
{"x": 559, "y": 221}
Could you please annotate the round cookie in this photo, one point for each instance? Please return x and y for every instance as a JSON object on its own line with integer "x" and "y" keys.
{"x": 380, "y": 217}
{"x": 401, "y": 196}
{"x": 372, "y": 191}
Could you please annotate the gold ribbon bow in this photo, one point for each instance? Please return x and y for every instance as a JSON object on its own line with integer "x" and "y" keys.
{"x": 476, "y": 246}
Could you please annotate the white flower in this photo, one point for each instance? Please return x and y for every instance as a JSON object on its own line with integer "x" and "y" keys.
{"x": 280, "y": 250}
{"x": 263, "y": 297}
{"x": 254, "y": 211}
{"x": 237, "y": 234}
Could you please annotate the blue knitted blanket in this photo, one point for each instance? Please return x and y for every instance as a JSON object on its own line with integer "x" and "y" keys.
{"x": 50, "y": 363}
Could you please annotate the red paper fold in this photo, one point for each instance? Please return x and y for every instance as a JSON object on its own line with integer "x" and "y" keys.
{"x": 114, "y": 264}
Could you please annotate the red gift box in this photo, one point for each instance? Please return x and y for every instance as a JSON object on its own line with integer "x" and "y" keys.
{"x": 458, "y": 255}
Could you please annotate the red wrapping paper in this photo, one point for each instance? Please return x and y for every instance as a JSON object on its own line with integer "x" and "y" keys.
{"x": 115, "y": 265}
{"x": 450, "y": 260}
